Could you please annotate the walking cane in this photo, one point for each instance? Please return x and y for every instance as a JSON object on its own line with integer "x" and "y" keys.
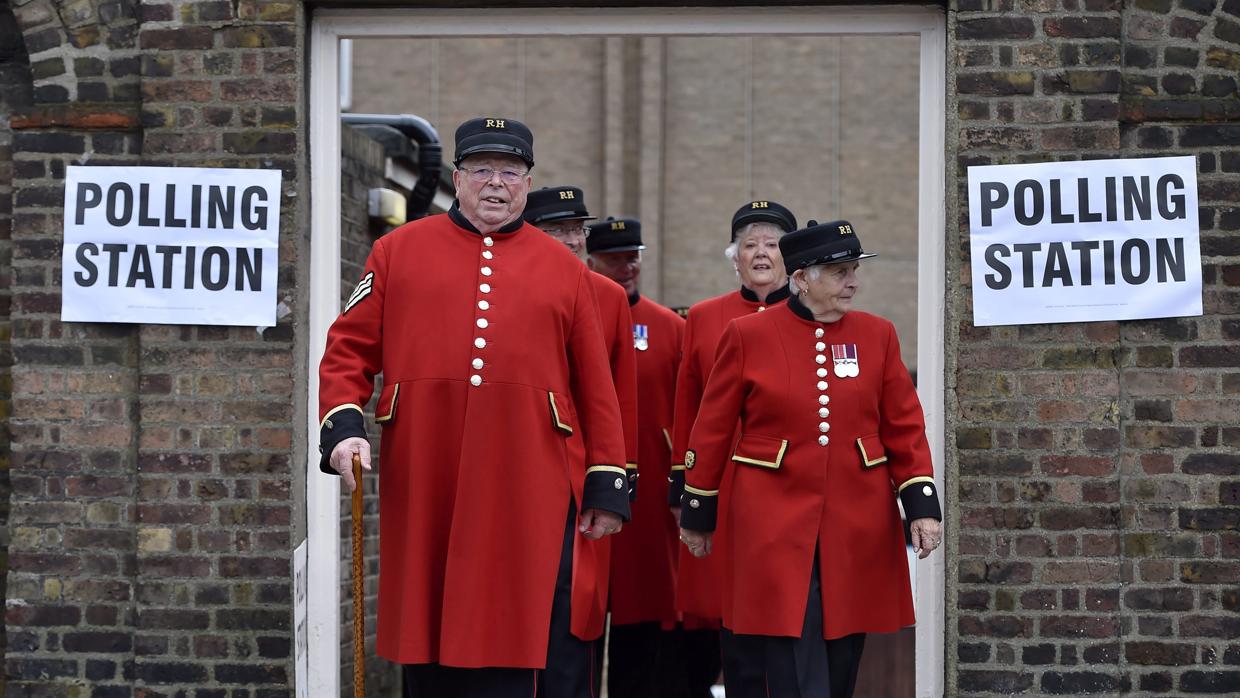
{"x": 359, "y": 594}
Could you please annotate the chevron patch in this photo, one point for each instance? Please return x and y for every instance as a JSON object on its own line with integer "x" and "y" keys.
{"x": 363, "y": 289}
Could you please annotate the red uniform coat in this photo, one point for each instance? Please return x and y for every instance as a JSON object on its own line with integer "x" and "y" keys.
{"x": 612, "y": 303}
{"x": 643, "y": 573}
{"x": 698, "y": 591}
{"x": 496, "y": 396}
{"x": 820, "y": 458}
{"x": 617, "y": 324}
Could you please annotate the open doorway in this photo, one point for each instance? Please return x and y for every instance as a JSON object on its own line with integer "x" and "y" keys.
{"x": 834, "y": 112}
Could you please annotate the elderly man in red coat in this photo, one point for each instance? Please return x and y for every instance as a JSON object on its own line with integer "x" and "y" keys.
{"x": 644, "y": 659}
{"x": 501, "y": 425}
{"x": 561, "y": 213}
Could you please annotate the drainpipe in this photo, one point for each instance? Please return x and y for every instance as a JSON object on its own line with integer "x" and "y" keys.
{"x": 430, "y": 154}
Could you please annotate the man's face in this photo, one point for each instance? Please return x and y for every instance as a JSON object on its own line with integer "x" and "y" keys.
{"x": 572, "y": 233}
{"x": 491, "y": 189}
{"x": 622, "y": 267}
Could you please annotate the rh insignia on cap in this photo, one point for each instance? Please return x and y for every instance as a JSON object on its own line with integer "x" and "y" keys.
{"x": 845, "y": 229}
{"x": 567, "y": 194}
{"x": 760, "y": 204}
{"x": 617, "y": 225}
{"x": 495, "y": 123}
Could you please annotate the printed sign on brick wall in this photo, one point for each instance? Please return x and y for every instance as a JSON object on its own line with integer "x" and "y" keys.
{"x": 1084, "y": 241}
{"x": 170, "y": 245}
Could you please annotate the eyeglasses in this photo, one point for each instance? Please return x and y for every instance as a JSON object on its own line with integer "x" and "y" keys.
{"x": 484, "y": 174}
{"x": 564, "y": 230}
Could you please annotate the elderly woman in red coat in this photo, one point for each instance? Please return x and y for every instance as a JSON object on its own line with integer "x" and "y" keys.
{"x": 754, "y": 252}
{"x": 831, "y": 434}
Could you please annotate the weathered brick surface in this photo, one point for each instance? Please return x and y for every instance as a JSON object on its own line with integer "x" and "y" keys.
{"x": 1095, "y": 506}
{"x": 153, "y": 511}
{"x": 1093, "y": 485}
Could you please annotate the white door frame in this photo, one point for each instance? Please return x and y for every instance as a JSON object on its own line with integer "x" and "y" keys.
{"x": 328, "y": 27}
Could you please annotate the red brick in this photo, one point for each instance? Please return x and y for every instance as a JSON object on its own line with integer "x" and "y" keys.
{"x": 185, "y": 38}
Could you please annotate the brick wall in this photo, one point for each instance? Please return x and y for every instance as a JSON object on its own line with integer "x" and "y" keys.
{"x": 15, "y": 93}
{"x": 153, "y": 466}
{"x": 362, "y": 167}
{"x": 1095, "y": 465}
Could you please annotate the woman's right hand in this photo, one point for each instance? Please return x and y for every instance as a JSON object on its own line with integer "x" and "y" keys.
{"x": 697, "y": 542}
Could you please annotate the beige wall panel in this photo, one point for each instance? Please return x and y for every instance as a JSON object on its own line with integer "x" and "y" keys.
{"x": 395, "y": 76}
{"x": 878, "y": 146}
{"x": 796, "y": 125}
{"x": 705, "y": 150}
{"x": 563, "y": 107}
{"x": 685, "y": 129}
{"x": 477, "y": 77}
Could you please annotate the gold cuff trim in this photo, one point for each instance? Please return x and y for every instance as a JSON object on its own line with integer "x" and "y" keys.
{"x": 865, "y": 458}
{"x": 555, "y": 416}
{"x": 337, "y": 408}
{"x": 667, "y": 437}
{"x": 391, "y": 406}
{"x": 701, "y": 493}
{"x": 772, "y": 464}
{"x": 914, "y": 481}
{"x": 678, "y": 466}
{"x": 606, "y": 469}
{"x": 630, "y": 466}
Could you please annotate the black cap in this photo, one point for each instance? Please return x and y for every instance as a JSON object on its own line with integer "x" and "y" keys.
{"x": 494, "y": 135}
{"x": 551, "y": 204}
{"x": 827, "y": 243}
{"x": 615, "y": 235}
{"x": 763, "y": 211}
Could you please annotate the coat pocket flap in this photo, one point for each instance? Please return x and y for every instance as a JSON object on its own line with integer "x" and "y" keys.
{"x": 872, "y": 452}
{"x": 561, "y": 414}
{"x": 385, "y": 410}
{"x": 762, "y": 451}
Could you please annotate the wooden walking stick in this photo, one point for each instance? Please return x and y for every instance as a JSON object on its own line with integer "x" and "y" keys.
{"x": 359, "y": 592}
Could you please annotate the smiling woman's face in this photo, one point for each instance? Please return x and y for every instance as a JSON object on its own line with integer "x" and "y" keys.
{"x": 758, "y": 260}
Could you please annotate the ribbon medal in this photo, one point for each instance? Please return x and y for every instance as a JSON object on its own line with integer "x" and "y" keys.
{"x": 641, "y": 337}
{"x": 845, "y": 356}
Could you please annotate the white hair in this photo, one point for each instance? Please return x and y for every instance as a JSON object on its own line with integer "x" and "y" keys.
{"x": 813, "y": 272}
{"x": 730, "y": 251}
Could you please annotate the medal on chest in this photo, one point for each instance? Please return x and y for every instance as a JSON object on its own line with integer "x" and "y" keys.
{"x": 641, "y": 337}
{"x": 845, "y": 357}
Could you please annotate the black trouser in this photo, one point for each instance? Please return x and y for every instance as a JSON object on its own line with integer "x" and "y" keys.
{"x": 633, "y": 652}
{"x": 702, "y": 661}
{"x": 644, "y": 661}
{"x": 570, "y": 661}
{"x": 844, "y": 655}
{"x": 798, "y": 667}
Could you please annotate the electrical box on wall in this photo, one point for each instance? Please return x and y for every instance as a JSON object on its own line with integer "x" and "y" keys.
{"x": 387, "y": 205}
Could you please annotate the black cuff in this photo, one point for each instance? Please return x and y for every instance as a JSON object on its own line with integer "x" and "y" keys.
{"x": 920, "y": 499}
{"x": 699, "y": 510}
{"x": 631, "y": 470}
{"x": 607, "y": 488}
{"x": 675, "y": 485}
{"x": 337, "y": 427}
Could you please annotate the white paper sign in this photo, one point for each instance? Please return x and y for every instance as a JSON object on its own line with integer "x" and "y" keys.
{"x": 1084, "y": 241}
{"x": 170, "y": 245}
{"x": 301, "y": 635}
